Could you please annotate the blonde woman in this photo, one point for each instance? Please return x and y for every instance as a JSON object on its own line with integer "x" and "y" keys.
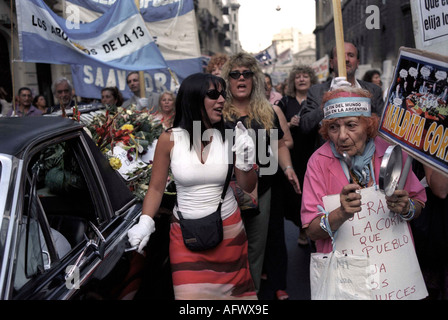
{"x": 167, "y": 109}
{"x": 246, "y": 102}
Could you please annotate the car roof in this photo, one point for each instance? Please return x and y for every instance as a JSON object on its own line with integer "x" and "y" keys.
{"x": 18, "y": 133}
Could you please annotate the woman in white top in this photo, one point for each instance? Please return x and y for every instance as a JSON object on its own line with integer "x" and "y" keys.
{"x": 196, "y": 150}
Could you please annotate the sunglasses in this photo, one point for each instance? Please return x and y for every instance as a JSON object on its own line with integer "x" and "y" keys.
{"x": 236, "y": 74}
{"x": 214, "y": 94}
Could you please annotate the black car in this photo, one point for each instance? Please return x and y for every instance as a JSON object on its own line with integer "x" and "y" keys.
{"x": 65, "y": 213}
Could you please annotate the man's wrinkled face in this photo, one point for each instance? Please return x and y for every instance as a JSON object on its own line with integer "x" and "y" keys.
{"x": 63, "y": 93}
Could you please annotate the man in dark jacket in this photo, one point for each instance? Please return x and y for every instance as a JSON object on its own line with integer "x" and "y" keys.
{"x": 313, "y": 113}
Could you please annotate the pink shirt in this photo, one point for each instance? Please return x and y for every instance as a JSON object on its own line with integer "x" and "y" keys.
{"x": 325, "y": 176}
{"x": 275, "y": 97}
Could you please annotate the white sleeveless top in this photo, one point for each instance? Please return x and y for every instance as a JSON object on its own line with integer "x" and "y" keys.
{"x": 199, "y": 185}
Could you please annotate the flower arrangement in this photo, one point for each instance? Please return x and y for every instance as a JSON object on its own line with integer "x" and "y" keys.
{"x": 139, "y": 181}
{"x": 131, "y": 130}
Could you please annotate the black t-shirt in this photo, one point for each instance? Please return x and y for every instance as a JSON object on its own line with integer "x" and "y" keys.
{"x": 262, "y": 142}
{"x": 304, "y": 143}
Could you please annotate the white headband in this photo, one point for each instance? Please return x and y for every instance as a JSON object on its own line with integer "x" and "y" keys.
{"x": 347, "y": 107}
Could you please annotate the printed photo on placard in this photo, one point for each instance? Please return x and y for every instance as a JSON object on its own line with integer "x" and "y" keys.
{"x": 416, "y": 111}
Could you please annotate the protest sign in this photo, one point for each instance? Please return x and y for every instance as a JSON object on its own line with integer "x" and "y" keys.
{"x": 119, "y": 39}
{"x": 385, "y": 238}
{"x": 430, "y": 20}
{"x": 416, "y": 111}
{"x": 173, "y": 27}
{"x": 322, "y": 68}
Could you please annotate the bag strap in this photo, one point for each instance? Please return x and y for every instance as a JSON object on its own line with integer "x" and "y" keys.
{"x": 224, "y": 191}
{"x": 226, "y": 184}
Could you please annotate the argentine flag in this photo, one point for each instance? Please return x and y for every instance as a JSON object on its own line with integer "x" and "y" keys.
{"x": 119, "y": 38}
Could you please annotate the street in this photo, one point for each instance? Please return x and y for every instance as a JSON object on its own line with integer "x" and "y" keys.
{"x": 157, "y": 284}
{"x": 298, "y": 284}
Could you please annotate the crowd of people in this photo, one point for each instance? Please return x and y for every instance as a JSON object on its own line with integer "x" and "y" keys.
{"x": 307, "y": 145}
{"x": 161, "y": 106}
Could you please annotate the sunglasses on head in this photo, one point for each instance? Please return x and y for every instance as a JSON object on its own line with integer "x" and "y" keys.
{"x": 214, "y": 94}
{"x": 236, "y": 74}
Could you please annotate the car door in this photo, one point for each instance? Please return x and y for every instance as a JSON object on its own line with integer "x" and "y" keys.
{"x": 72, "y": 231}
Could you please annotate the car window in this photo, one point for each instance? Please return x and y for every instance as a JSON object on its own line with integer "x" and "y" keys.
{"x": 30, "y": 259}
{"x": 58, "y": 205}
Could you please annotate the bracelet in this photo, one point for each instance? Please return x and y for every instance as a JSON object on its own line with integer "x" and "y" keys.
{"x": 411, "y": 213}
{"x": 325, "y": 223}
{"x": 286, "y": 168}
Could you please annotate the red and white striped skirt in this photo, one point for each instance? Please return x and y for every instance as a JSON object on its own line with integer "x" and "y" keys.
{"x": 220, "y": 273}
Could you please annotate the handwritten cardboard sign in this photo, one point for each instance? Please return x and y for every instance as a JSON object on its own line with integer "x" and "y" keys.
{"x": 383, "y": 236}
{"x": 416, "y": 111}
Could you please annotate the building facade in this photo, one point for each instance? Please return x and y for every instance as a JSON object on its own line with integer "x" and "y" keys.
{"x": 377, "y": 27}
{"x": 291, "y": 48}
{"x": 217, "y": 22}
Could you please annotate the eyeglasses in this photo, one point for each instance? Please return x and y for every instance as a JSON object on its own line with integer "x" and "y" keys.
{"x": 236, "y": 74}
{"x": 214, "y": 94}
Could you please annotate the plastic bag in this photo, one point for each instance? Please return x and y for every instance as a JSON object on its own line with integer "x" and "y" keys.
{"x": 337, "y": 276}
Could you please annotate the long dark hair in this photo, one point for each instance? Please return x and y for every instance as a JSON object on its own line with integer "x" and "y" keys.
{"x": 116, "y": 94}
{"x": 190, "y": 103}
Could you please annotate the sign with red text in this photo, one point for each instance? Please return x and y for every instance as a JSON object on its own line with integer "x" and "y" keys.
{"x": 416, "y": 111}
{"x": 385, "y": 238}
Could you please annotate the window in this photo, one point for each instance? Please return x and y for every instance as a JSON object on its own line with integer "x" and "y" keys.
{"x": 58, "y": 204}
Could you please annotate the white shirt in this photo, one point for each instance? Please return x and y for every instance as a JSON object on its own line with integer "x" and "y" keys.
{"x": 199, "y": 185}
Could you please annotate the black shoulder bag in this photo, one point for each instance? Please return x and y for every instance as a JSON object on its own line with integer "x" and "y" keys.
{"x": 207, "y": 232}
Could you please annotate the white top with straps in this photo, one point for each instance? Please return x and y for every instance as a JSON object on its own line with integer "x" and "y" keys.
{"x": 199, "y": 185}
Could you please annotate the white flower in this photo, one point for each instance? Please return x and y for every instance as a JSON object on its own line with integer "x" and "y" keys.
{"x": 140, "y": 148}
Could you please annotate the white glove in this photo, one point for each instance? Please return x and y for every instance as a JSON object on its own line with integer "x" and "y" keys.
{"x": 244, "y": 148}
{"x": 143, "y": 103}
{"x": 139, "y": 234}
{"x": 340, "y": 82}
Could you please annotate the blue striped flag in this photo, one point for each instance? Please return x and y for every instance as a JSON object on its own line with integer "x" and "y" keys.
{"x": 118, "y": 39}
{"x": 173, "y": 27}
